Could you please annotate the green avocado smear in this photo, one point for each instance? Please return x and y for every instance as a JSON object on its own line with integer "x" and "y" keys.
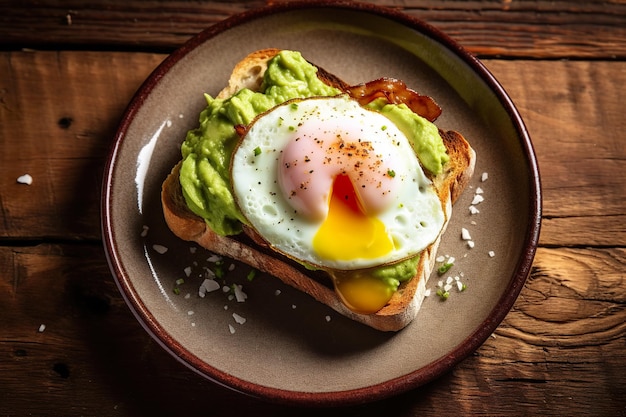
{"x": 207, "y": 150}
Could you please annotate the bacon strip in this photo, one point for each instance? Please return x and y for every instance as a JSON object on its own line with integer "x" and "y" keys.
{"x": 395, "y": 92}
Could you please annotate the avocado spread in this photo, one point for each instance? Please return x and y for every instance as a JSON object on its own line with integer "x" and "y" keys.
{"x": 207, "y": 150}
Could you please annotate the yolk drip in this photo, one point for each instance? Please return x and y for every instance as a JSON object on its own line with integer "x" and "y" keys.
{"x": 361, "y": 292}
{"x": 347, "y": 233}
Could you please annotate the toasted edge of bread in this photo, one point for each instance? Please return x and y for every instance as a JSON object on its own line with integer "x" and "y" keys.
{"x": 406, "y": 302}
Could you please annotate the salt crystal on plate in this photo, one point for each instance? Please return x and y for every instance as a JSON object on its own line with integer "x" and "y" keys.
{"x": 231, "y": 328}
{"x": 41, "y": 328}
{"x": 239, "y": 319}
{"x": 484, "y": 177}
{"x": 25, "y": 179}
{"x": 160, "y": 249}
{"x": 465, "y": 234}
{"x": 478, "y": 199}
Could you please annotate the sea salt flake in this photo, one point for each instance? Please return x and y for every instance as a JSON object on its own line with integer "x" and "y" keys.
{"x": 478, "y": 199}
{"x": 327, "y": 318}
{"x": 465, "y": 234}
{"x": 277, "y": 292}
{"x": 470, "y": 244}
{"x": 492, "y": 254}
{"x": 208, "y": 285}
{"x": 427, "y": 293}
{"x": 484, "y": 176}
{"x": 239, "y": 294}
{"x": 160, "y": 249}
{"x": 214, "y": 258}
{"x": 25, "y": 179}
{"x": 231, "y": 329}
{"x": 187, "y": 271}
{"x": 473, "y": 210}
{"x": 479, "y": 190}
{"x": 144, "y": 231}
{"x": 239, "y": 319}
{"x": 41, "y": 328}
{"x": 459, "y": 285}
{"x": 440, "y": 258}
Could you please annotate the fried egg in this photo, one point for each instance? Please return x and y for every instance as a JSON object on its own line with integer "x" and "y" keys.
{"x": 335, "y": 186}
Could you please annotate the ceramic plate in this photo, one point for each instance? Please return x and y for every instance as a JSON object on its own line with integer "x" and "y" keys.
{"x": 290, "y": 348}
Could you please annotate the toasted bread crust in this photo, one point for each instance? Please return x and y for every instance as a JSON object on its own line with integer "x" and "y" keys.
{"x": 403, "y": 306}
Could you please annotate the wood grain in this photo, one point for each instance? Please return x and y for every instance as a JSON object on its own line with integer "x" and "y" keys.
{"x": 543, "y": 29}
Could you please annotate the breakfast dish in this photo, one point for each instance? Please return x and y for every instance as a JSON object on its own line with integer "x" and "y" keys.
{"x": 342, "y": 192}
{"x": 279, "y": 343}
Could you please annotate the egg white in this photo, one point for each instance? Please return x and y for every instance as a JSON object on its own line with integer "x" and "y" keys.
{"x": 413, "y": 220}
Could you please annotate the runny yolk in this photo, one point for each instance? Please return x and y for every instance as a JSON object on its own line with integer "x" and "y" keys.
{"x": 347, "y": 233}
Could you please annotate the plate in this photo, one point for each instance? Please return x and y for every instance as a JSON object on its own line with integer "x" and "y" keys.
{"x": 291, "y": 349}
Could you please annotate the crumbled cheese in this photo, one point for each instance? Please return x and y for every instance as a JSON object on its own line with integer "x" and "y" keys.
{"x": 160, "y": 249}
{"x": 25, "y": 179}
{"x": 465, "y": 234}
{"x": 239, "y": 319}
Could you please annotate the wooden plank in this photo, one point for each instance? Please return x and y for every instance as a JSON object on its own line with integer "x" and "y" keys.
{"x": 569, "y": 321}
{"x": 539, "y": 29}
{"x": 64, "y": 141}
{"x": 572, "y": 110}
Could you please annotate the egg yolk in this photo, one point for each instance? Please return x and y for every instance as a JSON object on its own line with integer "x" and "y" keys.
{"x": 347, "y": 233}
{"x": 361, "y": 292}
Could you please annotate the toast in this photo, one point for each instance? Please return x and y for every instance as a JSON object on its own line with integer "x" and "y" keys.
{"x": 248, "y": 248}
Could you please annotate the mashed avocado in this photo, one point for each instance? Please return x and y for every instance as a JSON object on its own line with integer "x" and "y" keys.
{"x": 395, "y": 274}
{"x": 207, "y": 150}
{"x": 423, "y": 135}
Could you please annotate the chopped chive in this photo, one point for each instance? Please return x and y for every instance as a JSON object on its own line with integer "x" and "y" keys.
{"x": 219, "y": 272}
{"x": 391, "y": 173}
{"x": 251, "y": 275}
{"x": 257, "y": 151}
{"x": 180, "y": 281}
{"x": 443, "y": 295}
{"x": 444, "y": 268}
{"x": 176, "y": 290}
{"x": 294, "y": 106}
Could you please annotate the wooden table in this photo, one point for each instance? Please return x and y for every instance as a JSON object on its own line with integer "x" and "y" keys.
{"x": 67, "y": 72}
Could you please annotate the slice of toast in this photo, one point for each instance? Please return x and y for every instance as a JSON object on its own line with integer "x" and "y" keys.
{"x": 403, "y": 306}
